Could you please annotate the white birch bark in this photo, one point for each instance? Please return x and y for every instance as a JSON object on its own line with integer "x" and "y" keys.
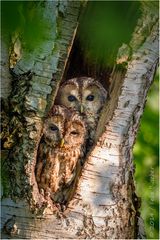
{"x": 104, "y": 203}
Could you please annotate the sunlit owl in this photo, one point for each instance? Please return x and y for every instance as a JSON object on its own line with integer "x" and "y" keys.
{"x": 60, "y": 150}
{"x": 87, "y": 96}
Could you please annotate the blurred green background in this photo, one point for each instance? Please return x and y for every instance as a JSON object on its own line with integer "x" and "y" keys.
{"x": 146, "y": 154}
{"x": 24, "y": 18}
{"x": 104, "y": 26}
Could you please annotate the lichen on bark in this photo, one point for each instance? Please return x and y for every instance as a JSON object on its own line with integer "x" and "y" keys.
{"x": 104, "y": 204}
{"x": 34, "y": 86}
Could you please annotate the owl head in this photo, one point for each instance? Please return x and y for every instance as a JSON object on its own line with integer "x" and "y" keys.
{"x": 54, "y": 127}
{"x": 64, "y": 128}
{"x": 84, "y": 94}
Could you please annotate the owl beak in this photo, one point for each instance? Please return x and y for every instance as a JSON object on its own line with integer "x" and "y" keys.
{"x": 62, "y": 142}
{"x": 82, "y": 109}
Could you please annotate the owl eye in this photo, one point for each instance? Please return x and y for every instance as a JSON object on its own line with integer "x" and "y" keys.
{"x": 53, "y": 128}
{"x": 74, "y": 133}
{"x": 71, "y": 98}
{"x": 90, "y": 98}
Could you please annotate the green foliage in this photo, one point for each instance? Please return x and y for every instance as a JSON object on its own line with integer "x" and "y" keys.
{"x": 24, "y": 18}
{"x": 104, "y": 26}
{"x": 146, "y": 160}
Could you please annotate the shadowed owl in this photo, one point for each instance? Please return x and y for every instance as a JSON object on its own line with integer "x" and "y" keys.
{"x": 60, "y": 150}
{"x": 87, "y": 96}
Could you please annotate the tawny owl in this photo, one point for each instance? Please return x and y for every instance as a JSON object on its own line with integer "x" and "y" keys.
{"x": 87, "y": 96}
{"x": 60, "y": 151}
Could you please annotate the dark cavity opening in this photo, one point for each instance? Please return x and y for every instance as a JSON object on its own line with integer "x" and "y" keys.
{"x": 104, "y": 26}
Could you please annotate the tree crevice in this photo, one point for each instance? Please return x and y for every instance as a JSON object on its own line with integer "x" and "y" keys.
{"x": 104, "y": 203}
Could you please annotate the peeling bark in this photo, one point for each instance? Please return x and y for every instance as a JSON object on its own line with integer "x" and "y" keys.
{"x": 105, "y": 204}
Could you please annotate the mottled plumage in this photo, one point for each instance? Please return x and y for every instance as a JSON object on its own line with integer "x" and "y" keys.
{"x": 87, "y": 96}
{"x": 60, "y": 151}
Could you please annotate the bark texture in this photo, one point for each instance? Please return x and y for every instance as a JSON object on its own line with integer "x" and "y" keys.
{"x": 105, "y": 204}
{"x": 5, "y": 75}
{"x": 36, "y": 77}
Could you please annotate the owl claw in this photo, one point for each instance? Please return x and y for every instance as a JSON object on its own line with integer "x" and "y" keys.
{"x": 42, "y": 192}
{"x": 63, "y": 207}
{"x": 59, "y": 163}
{"x": 47, "y": 194}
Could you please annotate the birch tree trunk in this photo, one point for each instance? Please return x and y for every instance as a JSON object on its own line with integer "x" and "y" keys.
{"x": 105, "y": 204}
